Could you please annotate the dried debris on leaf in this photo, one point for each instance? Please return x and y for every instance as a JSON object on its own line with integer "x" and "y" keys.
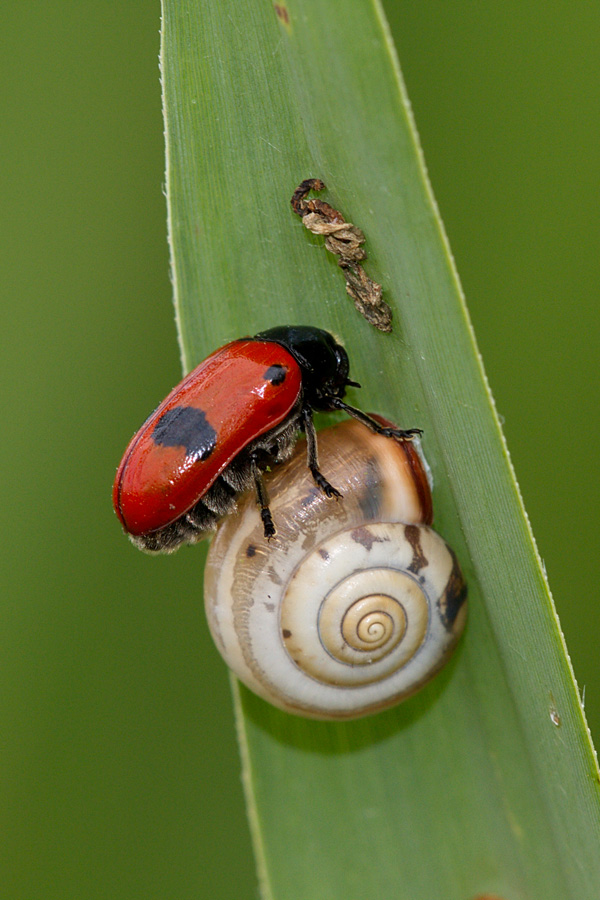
{"x": 345, "y": 241}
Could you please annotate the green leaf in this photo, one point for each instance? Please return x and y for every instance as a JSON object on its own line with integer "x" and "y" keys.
{"x": 485, "y": 782}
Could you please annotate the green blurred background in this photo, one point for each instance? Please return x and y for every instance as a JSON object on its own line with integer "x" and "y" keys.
{"x": 118, "y": 766}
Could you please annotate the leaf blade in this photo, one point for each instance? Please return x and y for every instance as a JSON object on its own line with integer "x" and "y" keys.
{"x": 323, "y": 97}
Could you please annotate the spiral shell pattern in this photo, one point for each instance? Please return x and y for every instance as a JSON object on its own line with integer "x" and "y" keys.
{"x": 355, "y": 604}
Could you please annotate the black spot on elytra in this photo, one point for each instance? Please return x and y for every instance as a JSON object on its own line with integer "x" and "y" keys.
{"x": 286, "y": 633}
{"x": 250, "y": 550}
{"x": 275, "y": 374}
{"x": 186, "y": 426}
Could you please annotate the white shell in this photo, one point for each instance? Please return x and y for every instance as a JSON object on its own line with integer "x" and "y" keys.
{"x": 354, "y": 604}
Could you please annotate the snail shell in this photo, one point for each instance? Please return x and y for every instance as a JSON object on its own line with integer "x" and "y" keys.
{"x": 355, "y": 604}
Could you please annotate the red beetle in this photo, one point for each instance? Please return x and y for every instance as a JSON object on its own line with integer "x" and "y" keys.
{"x": 232, "y": 417}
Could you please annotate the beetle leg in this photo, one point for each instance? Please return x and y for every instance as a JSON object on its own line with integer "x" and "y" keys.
{"x": 398, "y": 433}
{"x": 308, "y": 427}
{"x": 263, "y": 499}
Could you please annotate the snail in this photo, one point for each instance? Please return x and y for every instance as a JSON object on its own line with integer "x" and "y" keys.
{"x": 354, "y": 604}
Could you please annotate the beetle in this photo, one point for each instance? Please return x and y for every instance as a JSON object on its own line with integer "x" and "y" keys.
{"x": 231, "y": 418}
